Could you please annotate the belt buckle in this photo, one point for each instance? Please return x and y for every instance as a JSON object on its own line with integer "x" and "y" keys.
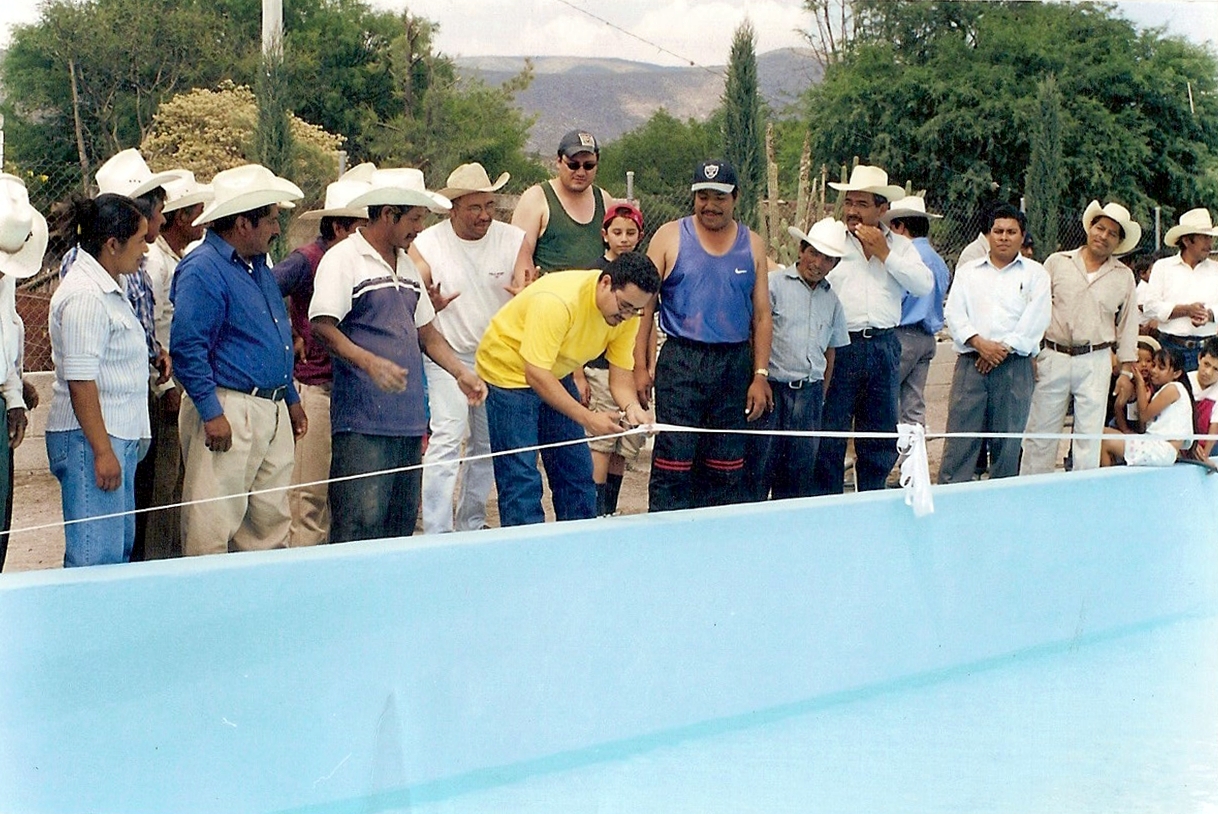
{"x": 866, "y": 332}
{"x": 799, "y": 385}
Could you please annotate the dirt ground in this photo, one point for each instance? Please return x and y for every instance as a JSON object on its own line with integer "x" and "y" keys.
{"x": 36, "y": 500}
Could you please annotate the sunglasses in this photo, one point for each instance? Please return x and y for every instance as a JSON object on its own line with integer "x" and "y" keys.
{"x": 588, "y": 166}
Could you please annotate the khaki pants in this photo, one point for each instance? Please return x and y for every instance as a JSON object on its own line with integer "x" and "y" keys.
{"x": 309, "y": 505}
{"x": 260, "y": 458}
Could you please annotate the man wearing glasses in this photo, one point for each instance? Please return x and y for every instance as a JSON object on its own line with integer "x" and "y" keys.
{"x": 561, "y": 218}
{"x": 571, "y": 318}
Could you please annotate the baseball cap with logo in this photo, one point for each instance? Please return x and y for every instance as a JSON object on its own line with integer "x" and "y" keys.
{"x": 716, "y": 175}
{"x": 576, "y": 142}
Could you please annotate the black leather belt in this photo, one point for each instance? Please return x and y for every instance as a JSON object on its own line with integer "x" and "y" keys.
{"x": 1076, "y": 350}
{"x": 870, "y": 333}
{"x": 270, "y": 393}
{"x": 1186, "y": 342}
{"x": 799, "y": 385}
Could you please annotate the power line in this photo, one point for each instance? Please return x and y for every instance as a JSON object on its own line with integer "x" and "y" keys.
{"x": 631, "y": 34}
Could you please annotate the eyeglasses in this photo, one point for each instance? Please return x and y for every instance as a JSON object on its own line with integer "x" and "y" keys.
{"x": 626, "y": 308}
{"x": 573, "y": 166}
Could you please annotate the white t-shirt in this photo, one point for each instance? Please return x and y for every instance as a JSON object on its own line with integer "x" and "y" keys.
{"x": 479, "y": 269}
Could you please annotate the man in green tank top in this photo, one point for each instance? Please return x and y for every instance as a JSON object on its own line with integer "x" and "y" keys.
{"x": 561, "y": 218}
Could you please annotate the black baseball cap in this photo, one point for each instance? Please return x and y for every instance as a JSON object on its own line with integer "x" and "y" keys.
{"x": 717, "y": 175}
{"x": 576, "y": 142}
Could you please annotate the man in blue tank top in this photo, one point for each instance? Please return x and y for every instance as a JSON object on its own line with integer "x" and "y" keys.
{"x": 712, "y": 371}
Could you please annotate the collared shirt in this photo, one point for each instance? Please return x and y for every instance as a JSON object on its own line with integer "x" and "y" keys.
{"x": 807, "y": 320}
{"x": 871, "y": 290}
{"x": 556, "y": 325}
{"x": 926, "y": 312}
{"x": 230, "y": 327}
{"x": 295, "y": 274}
{"x": 138, "y": 290}
{"x": 96, "y": 337}
{"x": 12, "y": 329}
{"x": 1011, "y": 305}
{"x": 1173, "y": 283}
{"x": 380, "y": 308}
{"x": 1089, "y": 309}
{"x": 160, "y": 263}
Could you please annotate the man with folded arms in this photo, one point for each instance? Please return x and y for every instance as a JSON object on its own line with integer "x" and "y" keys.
{"x": 1095, "y": 313}
{"x": 231, "y": 342}
{"x": 1183, "y": 290}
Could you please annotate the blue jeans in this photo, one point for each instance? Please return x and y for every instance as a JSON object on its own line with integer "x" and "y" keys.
{"x": 376, "y": 507}
{"x": 96, "y": 542}
{"x": 863, "y": 394}
{"x": 517, "y": 417}
{"x": 786, "y": 465}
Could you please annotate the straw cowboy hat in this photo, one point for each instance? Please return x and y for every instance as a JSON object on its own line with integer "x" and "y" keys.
{"x": 23, "y": 230}
{"x": 471, "y": 178}
{"x": 1133, "y": 229}
{"x": 186, "y": 192}
{"x": 339, "y": 193}
{"x": 245, "y": 188}
{"x": 864, "y": 178}
{"x": 126, "y": 173}
{"x": 402, "y": 186}
{"x": 1192, "y": 222}
{"x": 827, "y": 236}
{"x": 910, "y": 207}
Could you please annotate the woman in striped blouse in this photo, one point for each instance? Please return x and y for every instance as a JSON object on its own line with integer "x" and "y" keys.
{"x": 98, "y": 426}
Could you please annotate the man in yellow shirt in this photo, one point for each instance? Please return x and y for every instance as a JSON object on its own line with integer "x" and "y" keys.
{"x": 527, "y": 356}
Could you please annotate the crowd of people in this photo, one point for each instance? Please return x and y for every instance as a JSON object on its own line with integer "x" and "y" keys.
{"x": 389, "y": 367}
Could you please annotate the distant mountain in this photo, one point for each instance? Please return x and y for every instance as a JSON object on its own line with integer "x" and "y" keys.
{"x": 609, "y": 97}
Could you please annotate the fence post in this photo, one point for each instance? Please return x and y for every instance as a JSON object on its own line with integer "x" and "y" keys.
{"x": 1158, "y": 228}
{"x": 630, "y": 185}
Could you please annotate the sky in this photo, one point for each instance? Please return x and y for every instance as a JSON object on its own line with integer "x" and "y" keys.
{"x": 663, "y": 32}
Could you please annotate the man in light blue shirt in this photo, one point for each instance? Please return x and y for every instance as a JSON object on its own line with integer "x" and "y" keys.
{"x": 998, "y": 310}
{"x": 809, "y": 324}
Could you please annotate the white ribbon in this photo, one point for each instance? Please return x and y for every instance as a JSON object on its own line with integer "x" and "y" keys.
{"x": 915, "y": 469}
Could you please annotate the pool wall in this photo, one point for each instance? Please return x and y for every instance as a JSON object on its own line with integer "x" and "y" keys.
{"x": 362, "y": 676}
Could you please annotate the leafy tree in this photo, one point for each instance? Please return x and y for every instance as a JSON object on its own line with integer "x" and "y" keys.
{"x": 742, "y": 124}
{"x": 1044, "y": 181}
{"x": 943, "y": 94}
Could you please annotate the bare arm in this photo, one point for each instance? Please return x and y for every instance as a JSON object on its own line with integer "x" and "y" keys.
{"x": 663, "y": 252}
{"x": 760, "y": 398}
{"x": 531, "y": 215}
{"x": 437, "y": 348}
{"x": 551, "y": 390}
{"x": 86, "y": 403}
{"x": 830, "y": 358}
{"x": 387, "y": 375}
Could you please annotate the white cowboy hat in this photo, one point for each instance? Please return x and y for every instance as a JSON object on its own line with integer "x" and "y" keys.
{"x": 245, "y": 188}
{"x": 1192, "y": 222}
{"x": 911, "y": 207}
{"x": 23, "y": 230}
{"x": 126, "y": 173}
{"x": 401, "y": 186}
{"x": 1118, "y": 213}
{"x": 351, "y": 183}
{"x": 184, "y": 192}
{"x": 471, "y": 178}
{"x": 864, "y": 178}
{"x": 827, "y": 236}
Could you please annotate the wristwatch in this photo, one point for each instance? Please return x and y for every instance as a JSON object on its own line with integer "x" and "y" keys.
{"x": 762, "y": 371}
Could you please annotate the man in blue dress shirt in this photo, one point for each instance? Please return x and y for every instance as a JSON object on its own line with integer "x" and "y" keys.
{"x": 231, "y": 342}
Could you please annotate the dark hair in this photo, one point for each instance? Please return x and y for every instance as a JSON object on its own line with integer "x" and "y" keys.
{"x": 1005, "y": 212}
{"x": 633, "y": 267}
{"x": 374, "y": 210}
{"x": 1174, "y": 359}
{"x": 918, "y": 227}
{"x": 147, "y": 202}
{"x": 326, "y": 228}
{"x": 229, "y": 222}
{"x": 1209, "y": 347}
{"x": 90, "y": 222}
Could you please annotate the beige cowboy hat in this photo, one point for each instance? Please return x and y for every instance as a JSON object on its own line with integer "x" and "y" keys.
{"x": 126, "y": 173}
{"x": 1132, "y": 229}
{"x": 1192, "y": 222}
{"x": 339, "y": 194}
{"x": 864, "y": 178}
{"x": 471, "y": 178}
{"x": 913, "y": 206}
{"x": 185, "y": 192}
{"x": 401, "y": 186}
{"x": 827, "y": 236}
{"x": 23, "y": 230}
{"x": 244, "y": 188}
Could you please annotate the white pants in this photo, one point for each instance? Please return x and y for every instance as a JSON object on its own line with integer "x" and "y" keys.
{"x": 454, "y": 422}
{"x": 1088, "y": 378}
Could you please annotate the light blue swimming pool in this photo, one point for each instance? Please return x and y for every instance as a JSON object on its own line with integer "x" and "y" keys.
{"x": 1015, "y": 651}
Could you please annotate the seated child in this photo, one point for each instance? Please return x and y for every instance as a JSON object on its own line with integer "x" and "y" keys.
{"x": 1125, "y": 410}
{"x": 809, "y": 323}
{"x": 1169, "y": 417}
{"x": 1204, "y": 381}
